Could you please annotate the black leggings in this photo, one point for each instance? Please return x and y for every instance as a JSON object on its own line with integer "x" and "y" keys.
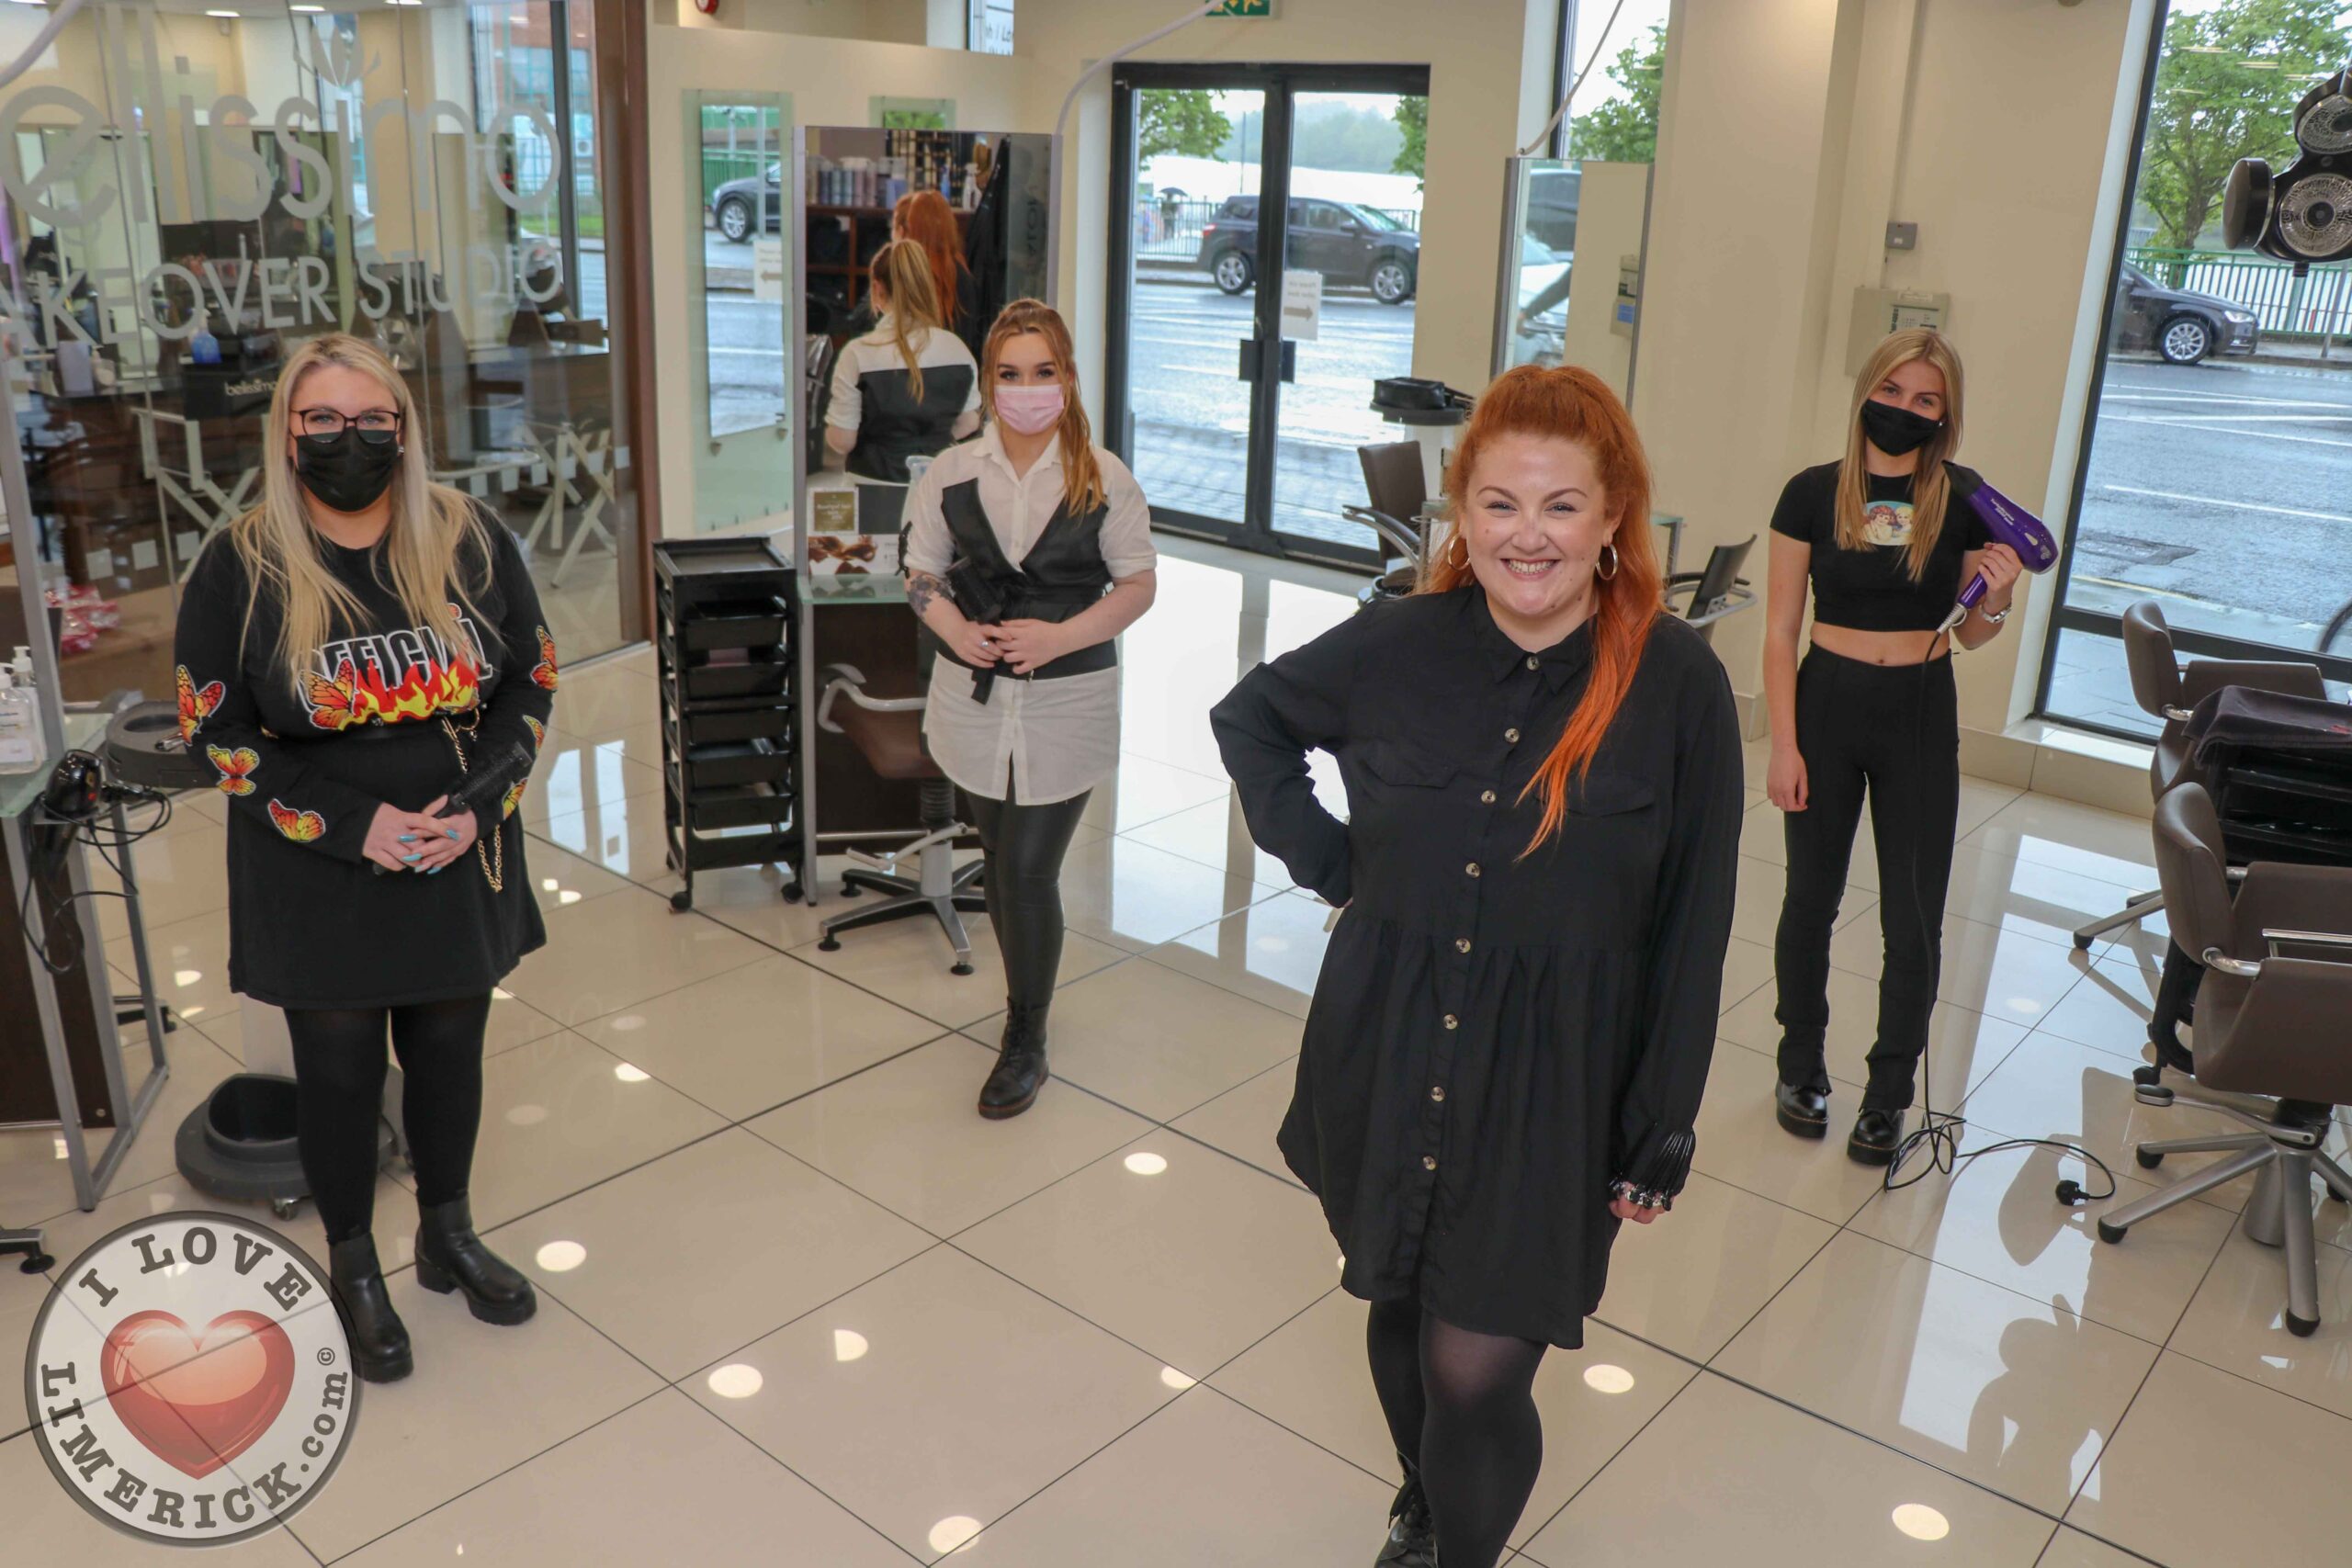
{"x": 1461, "y": 1408}
{"x": 1025, "y": 845}
{"x": 339, "y": 1091}
{"x": 1892, "y": 731}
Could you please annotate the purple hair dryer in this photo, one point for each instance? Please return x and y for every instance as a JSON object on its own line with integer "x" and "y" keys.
{"x": 2008, "y": 524}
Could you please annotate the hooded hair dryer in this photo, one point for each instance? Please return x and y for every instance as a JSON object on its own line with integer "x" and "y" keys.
{"x": 2008, "y": 524}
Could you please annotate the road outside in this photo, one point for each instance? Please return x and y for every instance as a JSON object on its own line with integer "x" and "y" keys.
{"x": 2218, "y": 490}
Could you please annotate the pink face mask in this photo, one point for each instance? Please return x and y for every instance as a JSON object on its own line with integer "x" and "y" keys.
{"x": 1032, "y": 410}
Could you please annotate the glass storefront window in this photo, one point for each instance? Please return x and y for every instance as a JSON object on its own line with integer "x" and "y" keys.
{"x": 2223, "y": 390}
{"x": 183, "y": 199}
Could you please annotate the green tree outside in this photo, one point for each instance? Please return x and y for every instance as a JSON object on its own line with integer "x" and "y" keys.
{"x": 1412, "y": 116}
{"x": 1186, "y": 122}
{"x": 1624, "y": 130}
{"x": 2226, "y": 88}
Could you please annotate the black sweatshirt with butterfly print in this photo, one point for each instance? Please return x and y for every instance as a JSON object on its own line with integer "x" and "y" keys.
{"x": 379, "y": 716}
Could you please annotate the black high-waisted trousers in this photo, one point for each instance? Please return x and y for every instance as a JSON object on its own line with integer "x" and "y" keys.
{"x": 1890, "y": 732}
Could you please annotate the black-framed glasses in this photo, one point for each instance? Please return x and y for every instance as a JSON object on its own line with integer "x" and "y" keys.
{"x": 374, "y": 424}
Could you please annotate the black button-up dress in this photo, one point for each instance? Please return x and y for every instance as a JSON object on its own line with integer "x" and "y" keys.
{"x": 1494, "y": 1039}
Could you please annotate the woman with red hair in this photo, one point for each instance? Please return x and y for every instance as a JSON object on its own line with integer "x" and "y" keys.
{"x": 1515, "y": 1016}
{"x": 924, "y": 217}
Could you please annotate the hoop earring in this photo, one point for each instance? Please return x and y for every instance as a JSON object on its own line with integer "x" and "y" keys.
{"x": 1610, "y": 575}
{"x": 1458, "y": 548}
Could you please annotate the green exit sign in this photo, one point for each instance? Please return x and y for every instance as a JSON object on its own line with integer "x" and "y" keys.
{"x": 1246, "y": 8}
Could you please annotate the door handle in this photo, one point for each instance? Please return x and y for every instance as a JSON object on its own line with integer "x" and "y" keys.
{"x": 1253, "y": 357}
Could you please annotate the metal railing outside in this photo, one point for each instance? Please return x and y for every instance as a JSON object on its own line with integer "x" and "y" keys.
{"x": 1170, "y": 232}
{"x": 2317, "y": 305}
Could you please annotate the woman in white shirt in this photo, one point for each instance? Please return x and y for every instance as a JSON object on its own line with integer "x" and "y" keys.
{"x": 907, "y": 389}
{"x": 1028, "y": 551}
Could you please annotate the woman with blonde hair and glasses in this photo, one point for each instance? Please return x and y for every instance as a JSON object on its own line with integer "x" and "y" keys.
{"x": 353, "y": 654}
{"x": 1507, "y": 1041}
{"x": 1028, "y": 552}
{"x": 1873, "y": 711}
{"x": 908, "y": 387}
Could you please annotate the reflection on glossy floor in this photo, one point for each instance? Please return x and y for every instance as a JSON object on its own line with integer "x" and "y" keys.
{"x": 797, "y": 1291}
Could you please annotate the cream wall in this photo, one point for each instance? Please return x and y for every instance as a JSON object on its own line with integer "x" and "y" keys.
{"x": 832, "y": 82}
{"x": 1791, "y": 131}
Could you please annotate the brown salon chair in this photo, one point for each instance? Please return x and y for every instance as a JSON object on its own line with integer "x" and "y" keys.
{"x": 2274, "y": 1035}
{"x": 2168, "y": 690}
{"x": 887, "y": 732}
{"x": 1398, "y": 491}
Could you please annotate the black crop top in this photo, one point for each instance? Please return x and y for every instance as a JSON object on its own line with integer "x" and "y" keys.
{"x": 1868, "y": 589}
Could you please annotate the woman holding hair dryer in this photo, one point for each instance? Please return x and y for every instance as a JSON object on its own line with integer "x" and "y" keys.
{"x": 1872, "y": 713}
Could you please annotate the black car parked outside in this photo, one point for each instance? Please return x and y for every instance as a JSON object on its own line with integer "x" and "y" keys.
{"x": 1346, "y": 244}
{"x": 734, "y": 204}
{"x": 2179, "y": 323}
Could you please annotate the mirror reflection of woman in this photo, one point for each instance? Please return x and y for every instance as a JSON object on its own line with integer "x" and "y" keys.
{"x": 350, "y": 653}
{"x": 1028, "y": 552}
{"x": 1879, "y": 540}
{"x": 1504, "y": 1056}
{"x": 908, "y": 389}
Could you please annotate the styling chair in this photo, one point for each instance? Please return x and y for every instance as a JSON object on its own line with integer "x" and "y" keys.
{"x": 1399, "y": 494}
{"x": 888, "y": 731}
{"x": 2272, "y": 1008}
{"x": 2167, "y": 690}
{"x": 1717, "y": 590}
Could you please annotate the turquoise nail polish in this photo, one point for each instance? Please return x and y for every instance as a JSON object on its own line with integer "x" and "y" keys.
{"x": 435, "y": 870}
{"x": 410, "y": 860}
{"x": 453, "y": 832}
{"x": 407, "y": 838}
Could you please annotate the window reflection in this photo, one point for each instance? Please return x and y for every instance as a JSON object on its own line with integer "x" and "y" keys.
{"x": 183, "y": 199}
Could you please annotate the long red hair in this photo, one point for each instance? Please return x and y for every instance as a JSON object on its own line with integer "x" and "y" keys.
{"x": 924, "y": 217}
{"x": 1574, "y": 405}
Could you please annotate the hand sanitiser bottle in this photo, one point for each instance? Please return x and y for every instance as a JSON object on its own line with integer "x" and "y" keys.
{"x": 22, "y": 746}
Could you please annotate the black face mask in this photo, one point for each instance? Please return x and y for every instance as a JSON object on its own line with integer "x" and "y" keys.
{"x": 346, "y": 471}
{"x": 1896, "y": 431}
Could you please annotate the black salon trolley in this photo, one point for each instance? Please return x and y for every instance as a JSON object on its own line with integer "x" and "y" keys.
{"x": 730, "y": 740}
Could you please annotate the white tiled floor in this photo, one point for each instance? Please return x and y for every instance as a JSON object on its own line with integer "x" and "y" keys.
{"x": 804, "y": 1307}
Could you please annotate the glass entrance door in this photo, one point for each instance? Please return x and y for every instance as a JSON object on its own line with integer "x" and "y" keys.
{"x": 1264, "y": 278}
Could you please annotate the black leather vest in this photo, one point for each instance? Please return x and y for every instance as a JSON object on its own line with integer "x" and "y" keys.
{"x": 894, "y": 425}
{"x": 1063, "y": 574}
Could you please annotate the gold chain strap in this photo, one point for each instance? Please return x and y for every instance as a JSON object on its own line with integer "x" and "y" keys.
{"x": 492, "y": 870}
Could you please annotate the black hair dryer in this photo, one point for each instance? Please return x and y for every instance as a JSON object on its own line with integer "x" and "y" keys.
{"x": 2303, "y": 215}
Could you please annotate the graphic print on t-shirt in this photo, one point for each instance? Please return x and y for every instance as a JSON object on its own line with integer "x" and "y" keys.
{"x": 1886, "y": 522}
{"x": 391, "y": 678}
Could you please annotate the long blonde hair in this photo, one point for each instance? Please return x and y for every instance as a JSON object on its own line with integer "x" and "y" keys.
{"x": 432, "y": 528}
{"x": 901, "y": 274}
{"x": 1082, "y": 487}
{"x": 1930, "y": 486}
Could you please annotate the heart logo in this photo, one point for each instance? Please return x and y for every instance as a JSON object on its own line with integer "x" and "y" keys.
{"x": 197, "y": 1401}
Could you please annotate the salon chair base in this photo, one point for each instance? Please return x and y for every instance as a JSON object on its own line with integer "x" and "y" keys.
{"x": 2137, "y": 908}
{"x": 29, "y": 1243}
{"x": 908, "y": 897}
{"x": 2282, "y": 1156}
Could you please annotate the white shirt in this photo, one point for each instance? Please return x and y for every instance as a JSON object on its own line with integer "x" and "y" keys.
{"x": 878, "y": 350}
{"x": 1032, "y": 743}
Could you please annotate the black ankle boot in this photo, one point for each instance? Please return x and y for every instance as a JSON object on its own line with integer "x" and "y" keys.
{"x": 1802, "y": 1111}
{"x": 1020, "y": 1070}
{"x": 1412, "y": 1541}
{"x": 1876, "y": 1137}
{"x": 379, "y": 1338}
{"x": 449, "y": 1257}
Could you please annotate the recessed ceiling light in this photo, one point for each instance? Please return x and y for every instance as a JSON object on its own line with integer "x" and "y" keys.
{"x": 1145, "y": 1163}
{"x": 1602, "y": 1378}
{"x": 224, "y": 16}
{"x": 849, "y": 1345}
{"x": 561, "y": 1257}
{"x": 953, "y": 1531}
{"x": 307, "y": 7}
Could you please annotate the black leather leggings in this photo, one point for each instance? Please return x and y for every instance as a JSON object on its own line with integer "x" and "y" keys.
{"x": 339, "y": 1091}
{"x": 1025, "y": 845}
{"x": 1892, "y": 731}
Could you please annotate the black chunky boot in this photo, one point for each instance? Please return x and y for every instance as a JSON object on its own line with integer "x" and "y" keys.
{"x": 1020, "y": 1070}
{"x": 449, "y": 1257}
{"x": 1412, "y": 1541}
{"x": 379, "y": 1338}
